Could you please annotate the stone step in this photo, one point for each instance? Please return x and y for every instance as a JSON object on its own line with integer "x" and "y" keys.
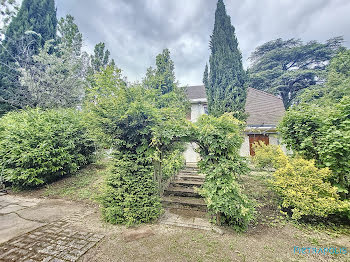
{"x": 199, "y": 178}
{"x": 191, "y": 169}
{"x": 185, "y": 202}
{"x": 181, "y": 191}
{"x": 187, "y": 183}
{"x": 191, "y": 174}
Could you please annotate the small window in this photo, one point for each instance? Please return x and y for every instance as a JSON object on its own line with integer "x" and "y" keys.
{"x": 206, "y": 110}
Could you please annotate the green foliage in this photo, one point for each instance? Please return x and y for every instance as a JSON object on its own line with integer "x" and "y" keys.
{"x": 322, "y": 133}
{"x": 38, "y": 147}
{"x": 100, "y": 59}
{"x": 219, "y": 140}
{"x": 225, "y": 84}
{"x": 172, "y": 163}
{"x": 55, "y": 78}
{"x": 337, "y": 85}
{"x": 8, "y": 10}
{"x": 304, "y": 189}
{"x": 69, "y": 34}
{"x": 301, "y": 129}
{"x": 288, "y": 67}
{"x": 165, "y": 72}
{"x": 141, "y": 124}
{"x": 131, "y": 195}
{"x": 268, "y": 156}
{"x": 34, "y": 24}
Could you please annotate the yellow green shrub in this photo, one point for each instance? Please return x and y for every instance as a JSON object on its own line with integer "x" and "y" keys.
{"x": 305, "y": 190}
{"x": 268, "y": 156}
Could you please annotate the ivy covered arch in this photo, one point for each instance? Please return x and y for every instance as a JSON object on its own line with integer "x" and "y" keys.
{"x": 142, "y": 125}
{"x": 219, "y": 140}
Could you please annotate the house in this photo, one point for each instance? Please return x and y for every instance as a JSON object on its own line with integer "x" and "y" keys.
{"x": 264, "y": 112}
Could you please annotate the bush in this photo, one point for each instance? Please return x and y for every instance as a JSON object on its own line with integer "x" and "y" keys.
{"x": 224, "y": 196}
{"x": 131, "y": 195}
{"x": 172, "y": 164}
{"x": 304, "y": 189}
{"x": 323, "y": 134}
{"x": 268, "y": 156}
{"x": 39, "y": 146}
{"x": 219, "y": 140}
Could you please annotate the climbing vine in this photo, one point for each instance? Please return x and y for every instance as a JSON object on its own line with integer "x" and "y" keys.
{"x": 219, "y": 141}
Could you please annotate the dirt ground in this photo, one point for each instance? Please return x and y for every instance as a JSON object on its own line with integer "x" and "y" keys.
{"x": 271, "y": 238}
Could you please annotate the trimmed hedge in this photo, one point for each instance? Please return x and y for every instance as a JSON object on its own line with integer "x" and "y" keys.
{"x": 39, "y": 146}
{"x": 130, "y": 196}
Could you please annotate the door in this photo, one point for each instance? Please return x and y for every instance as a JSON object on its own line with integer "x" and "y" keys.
{"x": 256, "y": 138}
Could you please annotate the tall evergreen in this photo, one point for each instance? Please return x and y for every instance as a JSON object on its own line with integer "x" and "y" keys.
{"x": 34, "y": 24}
{"x": 165, "y": 71}
{"x": 225, "y": 83}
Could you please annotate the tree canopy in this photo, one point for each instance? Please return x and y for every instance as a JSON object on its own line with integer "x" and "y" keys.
{"x": 286, "y": 67}
{"x": 225, "y": 81}
{"x": 69, "y": 34}
{"x": 337, "y": 84}
{"x": 34, "y": 24}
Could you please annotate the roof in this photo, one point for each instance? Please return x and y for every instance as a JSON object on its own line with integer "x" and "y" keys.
{"x": 196, "y": 92}
{"x": 263, "y": 109}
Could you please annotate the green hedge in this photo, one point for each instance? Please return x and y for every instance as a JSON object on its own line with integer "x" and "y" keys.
{"x": 130, "y": 195}
{"x": 322, "y": 133}
{"x": 40, "y": 146}
{"x": 219, "y": 140}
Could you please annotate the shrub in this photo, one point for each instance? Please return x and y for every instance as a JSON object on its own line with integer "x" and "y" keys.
{"x": 268, "y": 156}
{"x": 219, "y": 140}
{"x": 131, "y": 195}
{"x": 304, "y": 189}
{"x": 224, "y": 196}
{"x": 172, "y": 164}
{"x": 323, "y": 134}
{"x": 39, "y": 146}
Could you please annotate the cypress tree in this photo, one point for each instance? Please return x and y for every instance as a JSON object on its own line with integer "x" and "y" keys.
{"x": 34, "y": 24}
{"x": 225, "y": 84}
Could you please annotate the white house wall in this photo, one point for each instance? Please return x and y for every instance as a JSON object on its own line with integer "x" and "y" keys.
{"x": 245, "y": 150}
{"x": 196, "y": 111}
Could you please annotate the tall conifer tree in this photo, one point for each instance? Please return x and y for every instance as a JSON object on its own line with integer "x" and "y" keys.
{"x": 225, "y": 82}
{"x": 34, "y": 24}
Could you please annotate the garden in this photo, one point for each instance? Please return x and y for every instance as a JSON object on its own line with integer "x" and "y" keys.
{"x": 73, "y": 128}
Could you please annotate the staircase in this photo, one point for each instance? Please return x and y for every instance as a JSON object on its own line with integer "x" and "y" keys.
{"x": 181, "y": 191}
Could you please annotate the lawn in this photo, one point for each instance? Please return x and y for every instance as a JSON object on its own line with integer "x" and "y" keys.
{"x": 84, "y": 186}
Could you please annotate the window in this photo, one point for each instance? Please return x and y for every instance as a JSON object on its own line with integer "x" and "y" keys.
{"x": 206, "y": 110}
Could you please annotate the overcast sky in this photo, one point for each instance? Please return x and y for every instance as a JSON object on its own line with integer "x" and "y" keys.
{"x": 135, "y": 31}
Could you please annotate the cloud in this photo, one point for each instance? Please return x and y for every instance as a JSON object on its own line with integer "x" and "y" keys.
{"x": 135, "y": 31}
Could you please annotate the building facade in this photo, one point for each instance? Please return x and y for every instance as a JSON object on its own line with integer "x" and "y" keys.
{"x": 264, "y": 112}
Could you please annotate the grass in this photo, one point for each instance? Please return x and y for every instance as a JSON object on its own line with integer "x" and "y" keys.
{"x": 85, "y": 185}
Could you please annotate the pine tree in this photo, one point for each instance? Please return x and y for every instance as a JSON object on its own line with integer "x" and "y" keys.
{"x": 225, "y": 84}
{"x": 165, "y": 71}
{"x": 69, "y": 34}
{"x": 34, "y": 24}
{"x": 100, "y": 59}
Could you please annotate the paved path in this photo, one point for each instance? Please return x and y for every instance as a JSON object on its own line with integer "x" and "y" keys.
{"x": 42, "y": 230}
